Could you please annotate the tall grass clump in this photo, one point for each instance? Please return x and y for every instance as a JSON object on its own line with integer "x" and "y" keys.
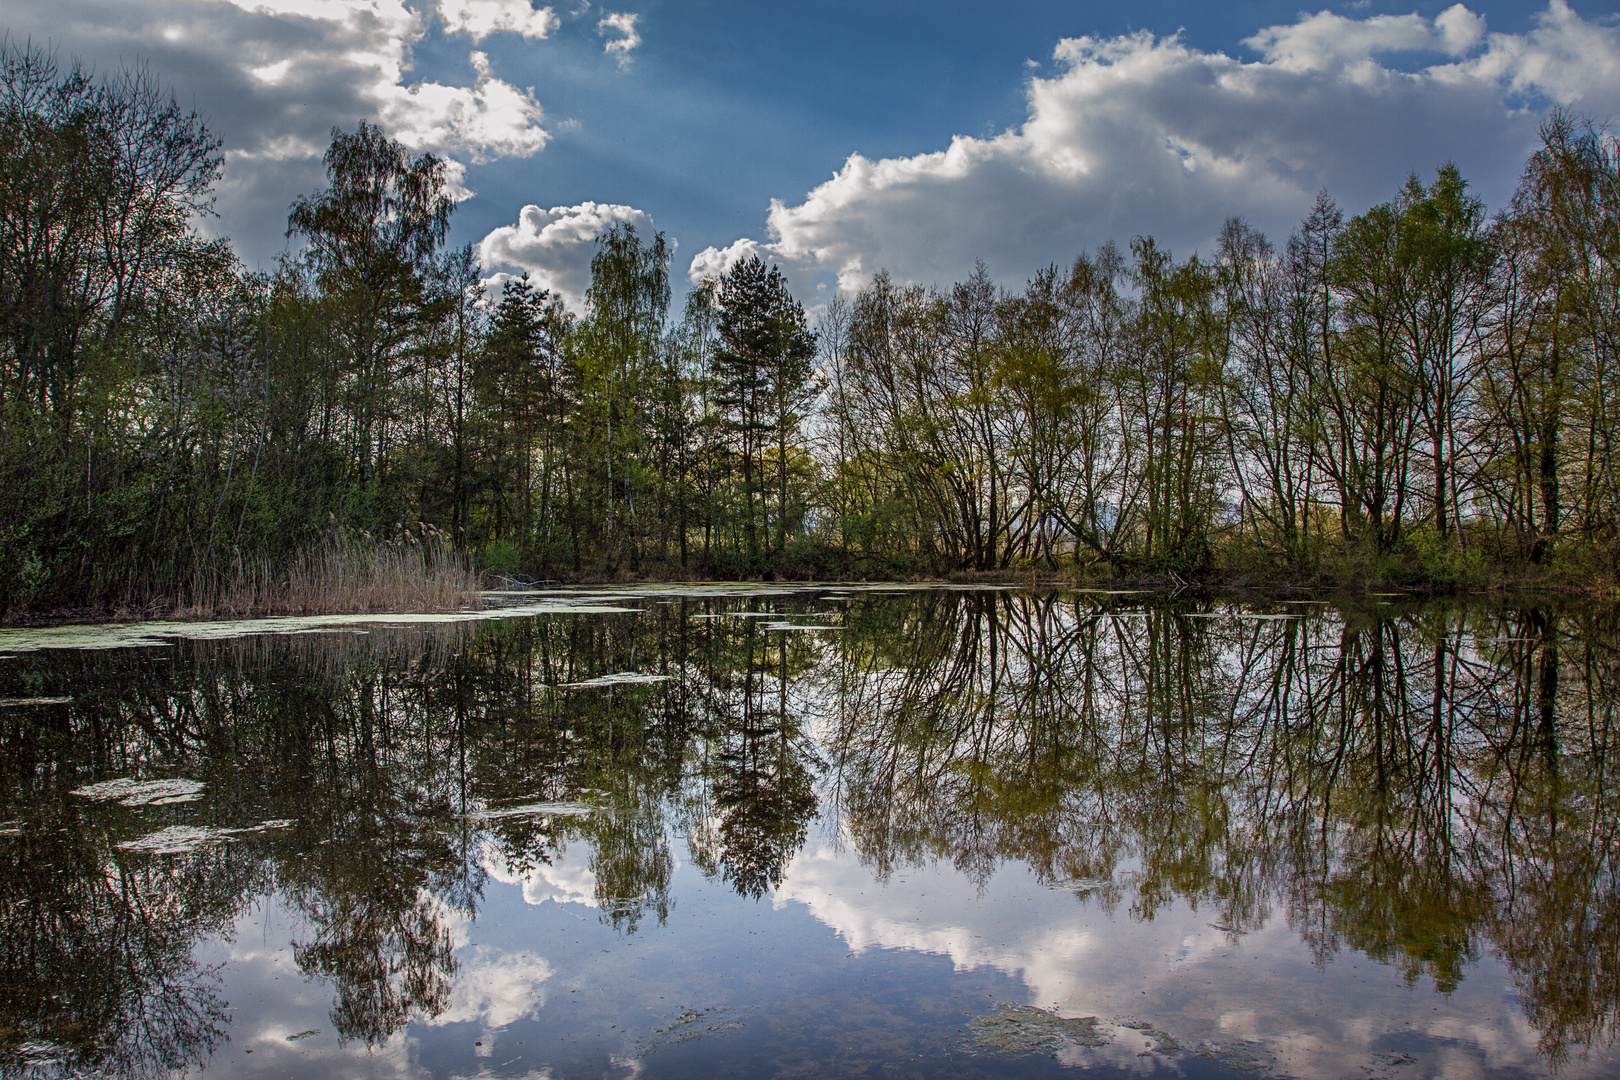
{"x": 344, "y": 574}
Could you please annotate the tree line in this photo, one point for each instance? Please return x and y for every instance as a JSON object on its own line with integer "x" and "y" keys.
{"x": 1422, "y": 386}
{"x": 1421, "y": 392}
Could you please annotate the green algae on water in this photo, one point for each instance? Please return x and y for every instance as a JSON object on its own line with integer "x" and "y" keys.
{"x": 1028, "y": 1029}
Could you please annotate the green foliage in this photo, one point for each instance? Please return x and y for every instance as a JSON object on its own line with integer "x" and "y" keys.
{"x": 1440, "y": 562}
{"x": 1418, "y": 394}
{"x": 761, "y": 374}
{"x": 622, "y": 361}
{"x": 501, "y": 556}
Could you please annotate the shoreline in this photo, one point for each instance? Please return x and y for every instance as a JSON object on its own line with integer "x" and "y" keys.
{"x": 1158, "y": 588}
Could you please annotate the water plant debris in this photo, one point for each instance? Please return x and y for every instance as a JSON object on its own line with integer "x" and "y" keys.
{"x": 128, "y": 792}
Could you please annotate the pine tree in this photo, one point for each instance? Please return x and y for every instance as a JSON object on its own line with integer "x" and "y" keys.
{"x": 763, "y": 367}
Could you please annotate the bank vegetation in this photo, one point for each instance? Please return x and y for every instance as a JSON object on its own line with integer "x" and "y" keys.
{"x": 1422, "y": 395}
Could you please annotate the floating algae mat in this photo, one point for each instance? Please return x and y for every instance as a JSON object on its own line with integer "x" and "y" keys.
{"x": 128, "y": 635}
{"x": 1027, "y": 1029}
{"x": 175, "y": 840}
{"x": 618, "y": 678}
{"x": 539, "y": 809}
{"x": 184, "y": 839}
{"x": 128, "y": 792}
{"x": 662, "y": 831}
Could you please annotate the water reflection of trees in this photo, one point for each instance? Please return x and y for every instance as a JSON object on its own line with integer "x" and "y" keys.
{"x": 97, "y": 968}
{"x": 1418, "y": 786}
{"x": 386, "y": 752}
{"x": 96, "y": 949}
{"x": 1421, "y": 785}
{"x": 756, "y": 781}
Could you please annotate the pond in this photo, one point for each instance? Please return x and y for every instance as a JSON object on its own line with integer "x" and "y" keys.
{"x": 816, "y": 831}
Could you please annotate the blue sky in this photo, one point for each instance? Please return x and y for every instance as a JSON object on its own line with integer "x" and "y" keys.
{"x": 1019, "y": 131}
{"x": 738, "y": 103}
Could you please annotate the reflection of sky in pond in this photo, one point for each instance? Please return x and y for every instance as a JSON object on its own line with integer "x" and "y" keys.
{"x": 542, "y": 983}
{"x": 564, "y": 881}
{"x": 925, "y": 845}
{"x": 1206, "y": 987}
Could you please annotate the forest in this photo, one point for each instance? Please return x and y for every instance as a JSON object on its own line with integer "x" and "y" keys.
{"x": 1417, "y": 396}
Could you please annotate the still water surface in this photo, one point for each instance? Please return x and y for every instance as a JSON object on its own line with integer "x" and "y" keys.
{"x": 813, "y": 832}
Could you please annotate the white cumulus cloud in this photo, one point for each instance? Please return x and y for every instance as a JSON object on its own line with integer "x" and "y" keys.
{"x": 713, "y": 261}
{"x": 492, "y": 119}
{"x": 1138, "y": 134}
{"x": 481, "y": 18}
{"x": 624, "y": 23}
{"x": 373, "y": 38}
{"x": 1327, "y": 42}
{"x": 555, "y": 246}
{"x": 1460, "y": 30}
{"x": 1571, "y": 60}
{"x": 275, "y": 76}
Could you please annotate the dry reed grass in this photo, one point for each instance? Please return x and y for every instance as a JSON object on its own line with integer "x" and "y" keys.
{"x": 343, "y": 576}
